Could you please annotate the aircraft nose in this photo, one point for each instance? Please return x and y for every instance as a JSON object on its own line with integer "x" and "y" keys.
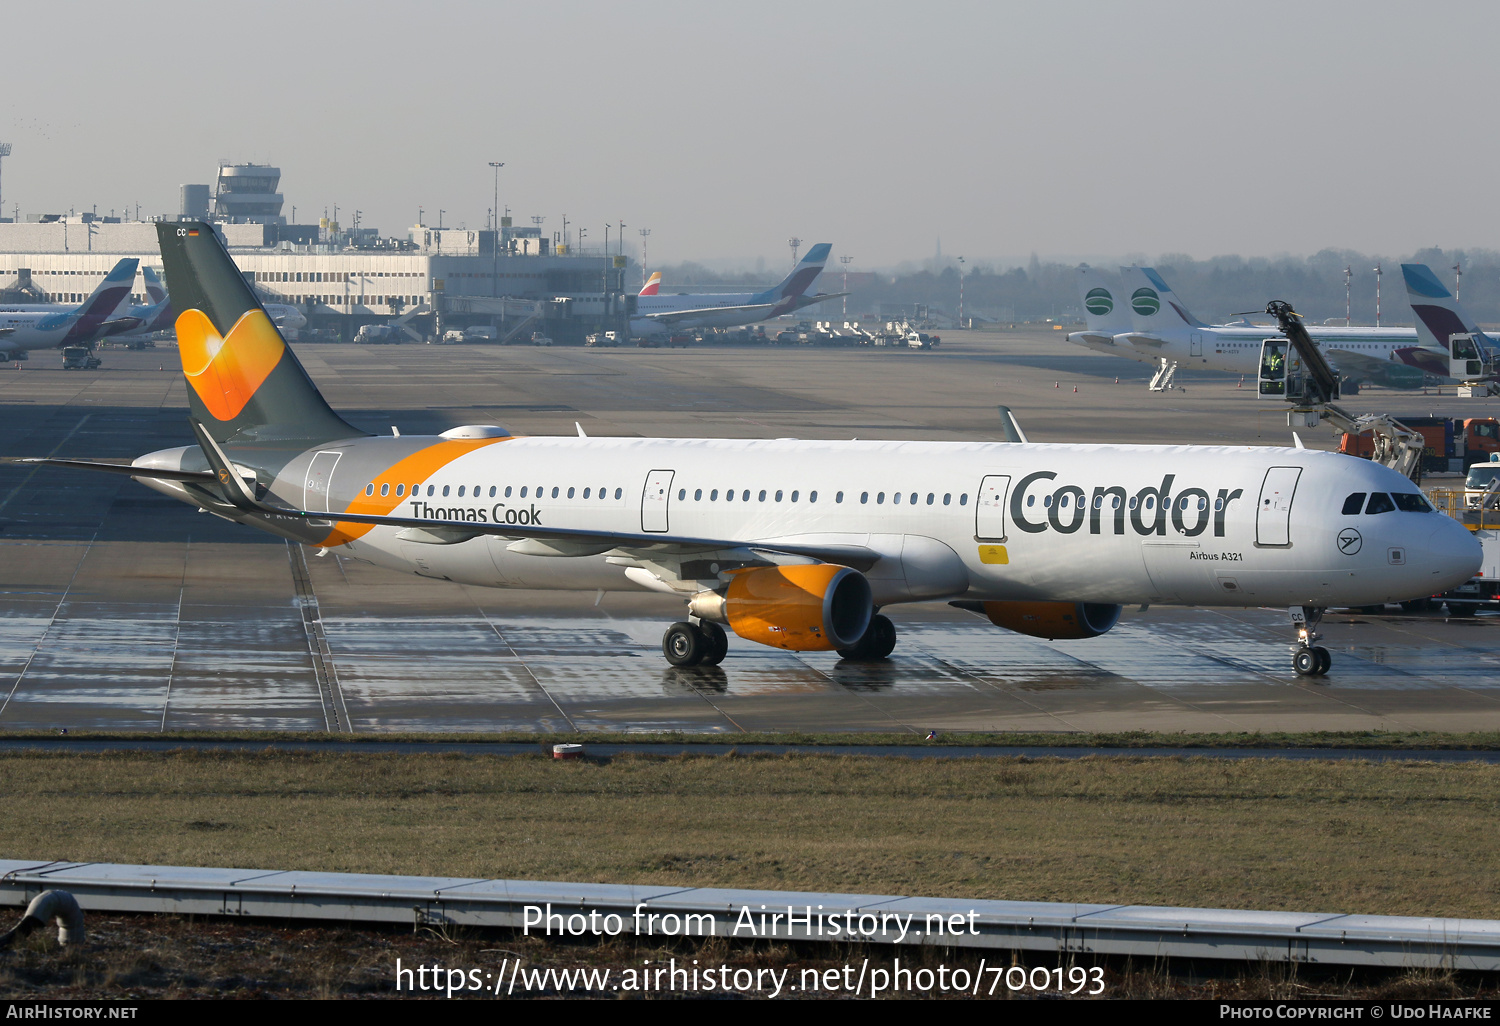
{"x": 1452, "y": 554}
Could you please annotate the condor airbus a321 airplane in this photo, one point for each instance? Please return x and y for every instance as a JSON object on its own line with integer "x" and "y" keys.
{"x": 793, "y": 544}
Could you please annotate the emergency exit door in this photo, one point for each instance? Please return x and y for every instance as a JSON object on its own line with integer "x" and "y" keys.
{"x": 1195, "y": 344}
{"x": 655, "y": 499}
{"x": 1273, "y": 513}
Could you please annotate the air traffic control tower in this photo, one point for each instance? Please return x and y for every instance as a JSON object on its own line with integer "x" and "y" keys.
{"x": 246, "y": 194}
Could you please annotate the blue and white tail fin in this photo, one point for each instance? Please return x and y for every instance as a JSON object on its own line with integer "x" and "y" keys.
{"x": 155, "y": 290}
{"x": 800, "y": 280}
{"x": 1440, "y": 318}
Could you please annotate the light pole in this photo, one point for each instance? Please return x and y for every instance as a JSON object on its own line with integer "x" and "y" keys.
{"x": 846, "y": 260}
{"x": 644, "y": 233}
{"x": 1458, "y": 278}
{"x": 606, "y": 242}
{"x": 565, "y": 231}
{"x": 583, "y": 233}
{"x": 622, "y": 248}
{"x": 795, "y": 243}
{"x": 1377, "y": 295}
{"x": 960, "y": 292}
{"x": 495, "y": 227}
{"x": 497, "y": 165}
{"x": 1348, "y": 295}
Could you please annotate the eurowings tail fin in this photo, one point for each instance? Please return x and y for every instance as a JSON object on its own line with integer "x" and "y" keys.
{"x": 801, "y": 278}
{"x": 246, "y": 386}
{"x": 1438, "y": 313}
{"x": 112, "y": 292}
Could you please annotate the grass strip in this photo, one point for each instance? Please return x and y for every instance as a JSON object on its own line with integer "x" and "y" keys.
{"x": 1385, "y": 740}
{"x": 1393, "y": 837}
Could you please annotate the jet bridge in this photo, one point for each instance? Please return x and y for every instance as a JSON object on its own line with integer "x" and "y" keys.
{"x": 1292, "y": 369}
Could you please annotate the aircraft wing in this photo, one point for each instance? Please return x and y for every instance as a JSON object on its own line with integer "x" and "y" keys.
{"x": 7, "y": 331}
{"x": 821, "y": 297}
{"x": 672, "y": 316}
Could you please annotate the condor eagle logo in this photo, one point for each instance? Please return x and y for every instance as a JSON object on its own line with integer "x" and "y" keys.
{"x": 225, "y": 372}
{"x": 1099, "y": 302}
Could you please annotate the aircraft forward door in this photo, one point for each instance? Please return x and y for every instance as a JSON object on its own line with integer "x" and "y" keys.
{"x": 989, "y": 510}
{"x": 655, "y": 499}
{"x": 1273, "y": 513}
{"x": 319, "y": 483}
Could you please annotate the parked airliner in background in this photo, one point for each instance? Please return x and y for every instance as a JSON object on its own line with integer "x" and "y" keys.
{"x": 657, "y": 312}
{"x": 27, "y": 326}
{"x": 792, "y": 544}
{"x": 1106, "y": 314}
{"x": 1162, "y": 327}
{"x": 1440, "y": 317}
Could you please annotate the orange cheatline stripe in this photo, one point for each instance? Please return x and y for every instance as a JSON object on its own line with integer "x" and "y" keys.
{"x": 225, "y": 372}
{"x": 416, "y": 468}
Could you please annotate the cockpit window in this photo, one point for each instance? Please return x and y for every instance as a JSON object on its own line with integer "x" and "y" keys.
{"x": 1354, "y": 504}
{"x": 1412, "y": 502}
{"x": 1380, "y": 503}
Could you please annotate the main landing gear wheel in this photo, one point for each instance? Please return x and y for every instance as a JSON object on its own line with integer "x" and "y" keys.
{"x": 879, "y": 641}
{"x": 717, "y": 643}
{"x": 684, "y": 645}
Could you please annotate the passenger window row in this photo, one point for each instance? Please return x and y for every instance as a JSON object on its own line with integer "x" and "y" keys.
{"x": 478, "y": 491}
{"x": 1183, "y": 502}
{"x": 780, "y": 495}
{"x": 1381, "y": 502}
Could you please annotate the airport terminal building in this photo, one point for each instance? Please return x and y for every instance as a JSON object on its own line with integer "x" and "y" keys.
{"x": 435, "y": 279}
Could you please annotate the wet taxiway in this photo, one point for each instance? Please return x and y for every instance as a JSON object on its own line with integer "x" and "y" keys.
{"x": 122, "y": 609}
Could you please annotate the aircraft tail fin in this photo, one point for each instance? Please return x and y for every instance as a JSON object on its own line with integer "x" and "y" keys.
{"x": 155, "y": 291}
{"x": 801, "y": 278}
{"x": 112, "y": 292}
{"x": 1154, "y": 307}
{"x": 1105, "y": 311}
{"x": 245, "y": 384}
{"x": 1438, "y": 313}
{"x": 652, "y": 287}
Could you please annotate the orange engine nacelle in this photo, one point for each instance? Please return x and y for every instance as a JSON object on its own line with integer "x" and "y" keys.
{"x": 801, "y": 608}
{"x": 1052, "y": 620}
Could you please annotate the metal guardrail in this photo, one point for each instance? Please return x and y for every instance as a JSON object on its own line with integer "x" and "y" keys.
{"x": 1070, "y": 931}
{"x": 1465, "y": 507}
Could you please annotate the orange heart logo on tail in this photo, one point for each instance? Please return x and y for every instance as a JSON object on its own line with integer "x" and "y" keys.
{"x": 225, "y": 372}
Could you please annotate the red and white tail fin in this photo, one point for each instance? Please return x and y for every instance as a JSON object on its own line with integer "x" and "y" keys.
{"x": 653, "y": 286}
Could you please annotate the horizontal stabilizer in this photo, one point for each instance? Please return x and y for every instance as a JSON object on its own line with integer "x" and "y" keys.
{"x": 129, "y": 470}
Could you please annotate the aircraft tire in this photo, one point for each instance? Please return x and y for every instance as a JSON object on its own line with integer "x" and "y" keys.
{"x": 717, "y": 643}
{"x": 882, "y": 636}
{"x": 1325, "y": 661}
{"x": 684, "y": 645}
{"x": 1305, "y": 662}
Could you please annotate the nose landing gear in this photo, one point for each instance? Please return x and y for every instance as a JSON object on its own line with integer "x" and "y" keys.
{"x": 1309, "y": 660}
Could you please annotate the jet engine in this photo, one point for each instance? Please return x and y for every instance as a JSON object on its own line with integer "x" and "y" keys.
{"x": 1051, "y": 620}
{"x": 802, "y": 608}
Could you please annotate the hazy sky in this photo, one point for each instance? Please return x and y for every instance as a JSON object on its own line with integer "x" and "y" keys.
{"x": 1067, "y": 129}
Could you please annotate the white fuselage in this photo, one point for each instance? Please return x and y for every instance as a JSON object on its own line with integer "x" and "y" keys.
{"x": 641, "y": 325}
{"x": 1237, "y": 349}
{"x": 1260, "y": 525}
